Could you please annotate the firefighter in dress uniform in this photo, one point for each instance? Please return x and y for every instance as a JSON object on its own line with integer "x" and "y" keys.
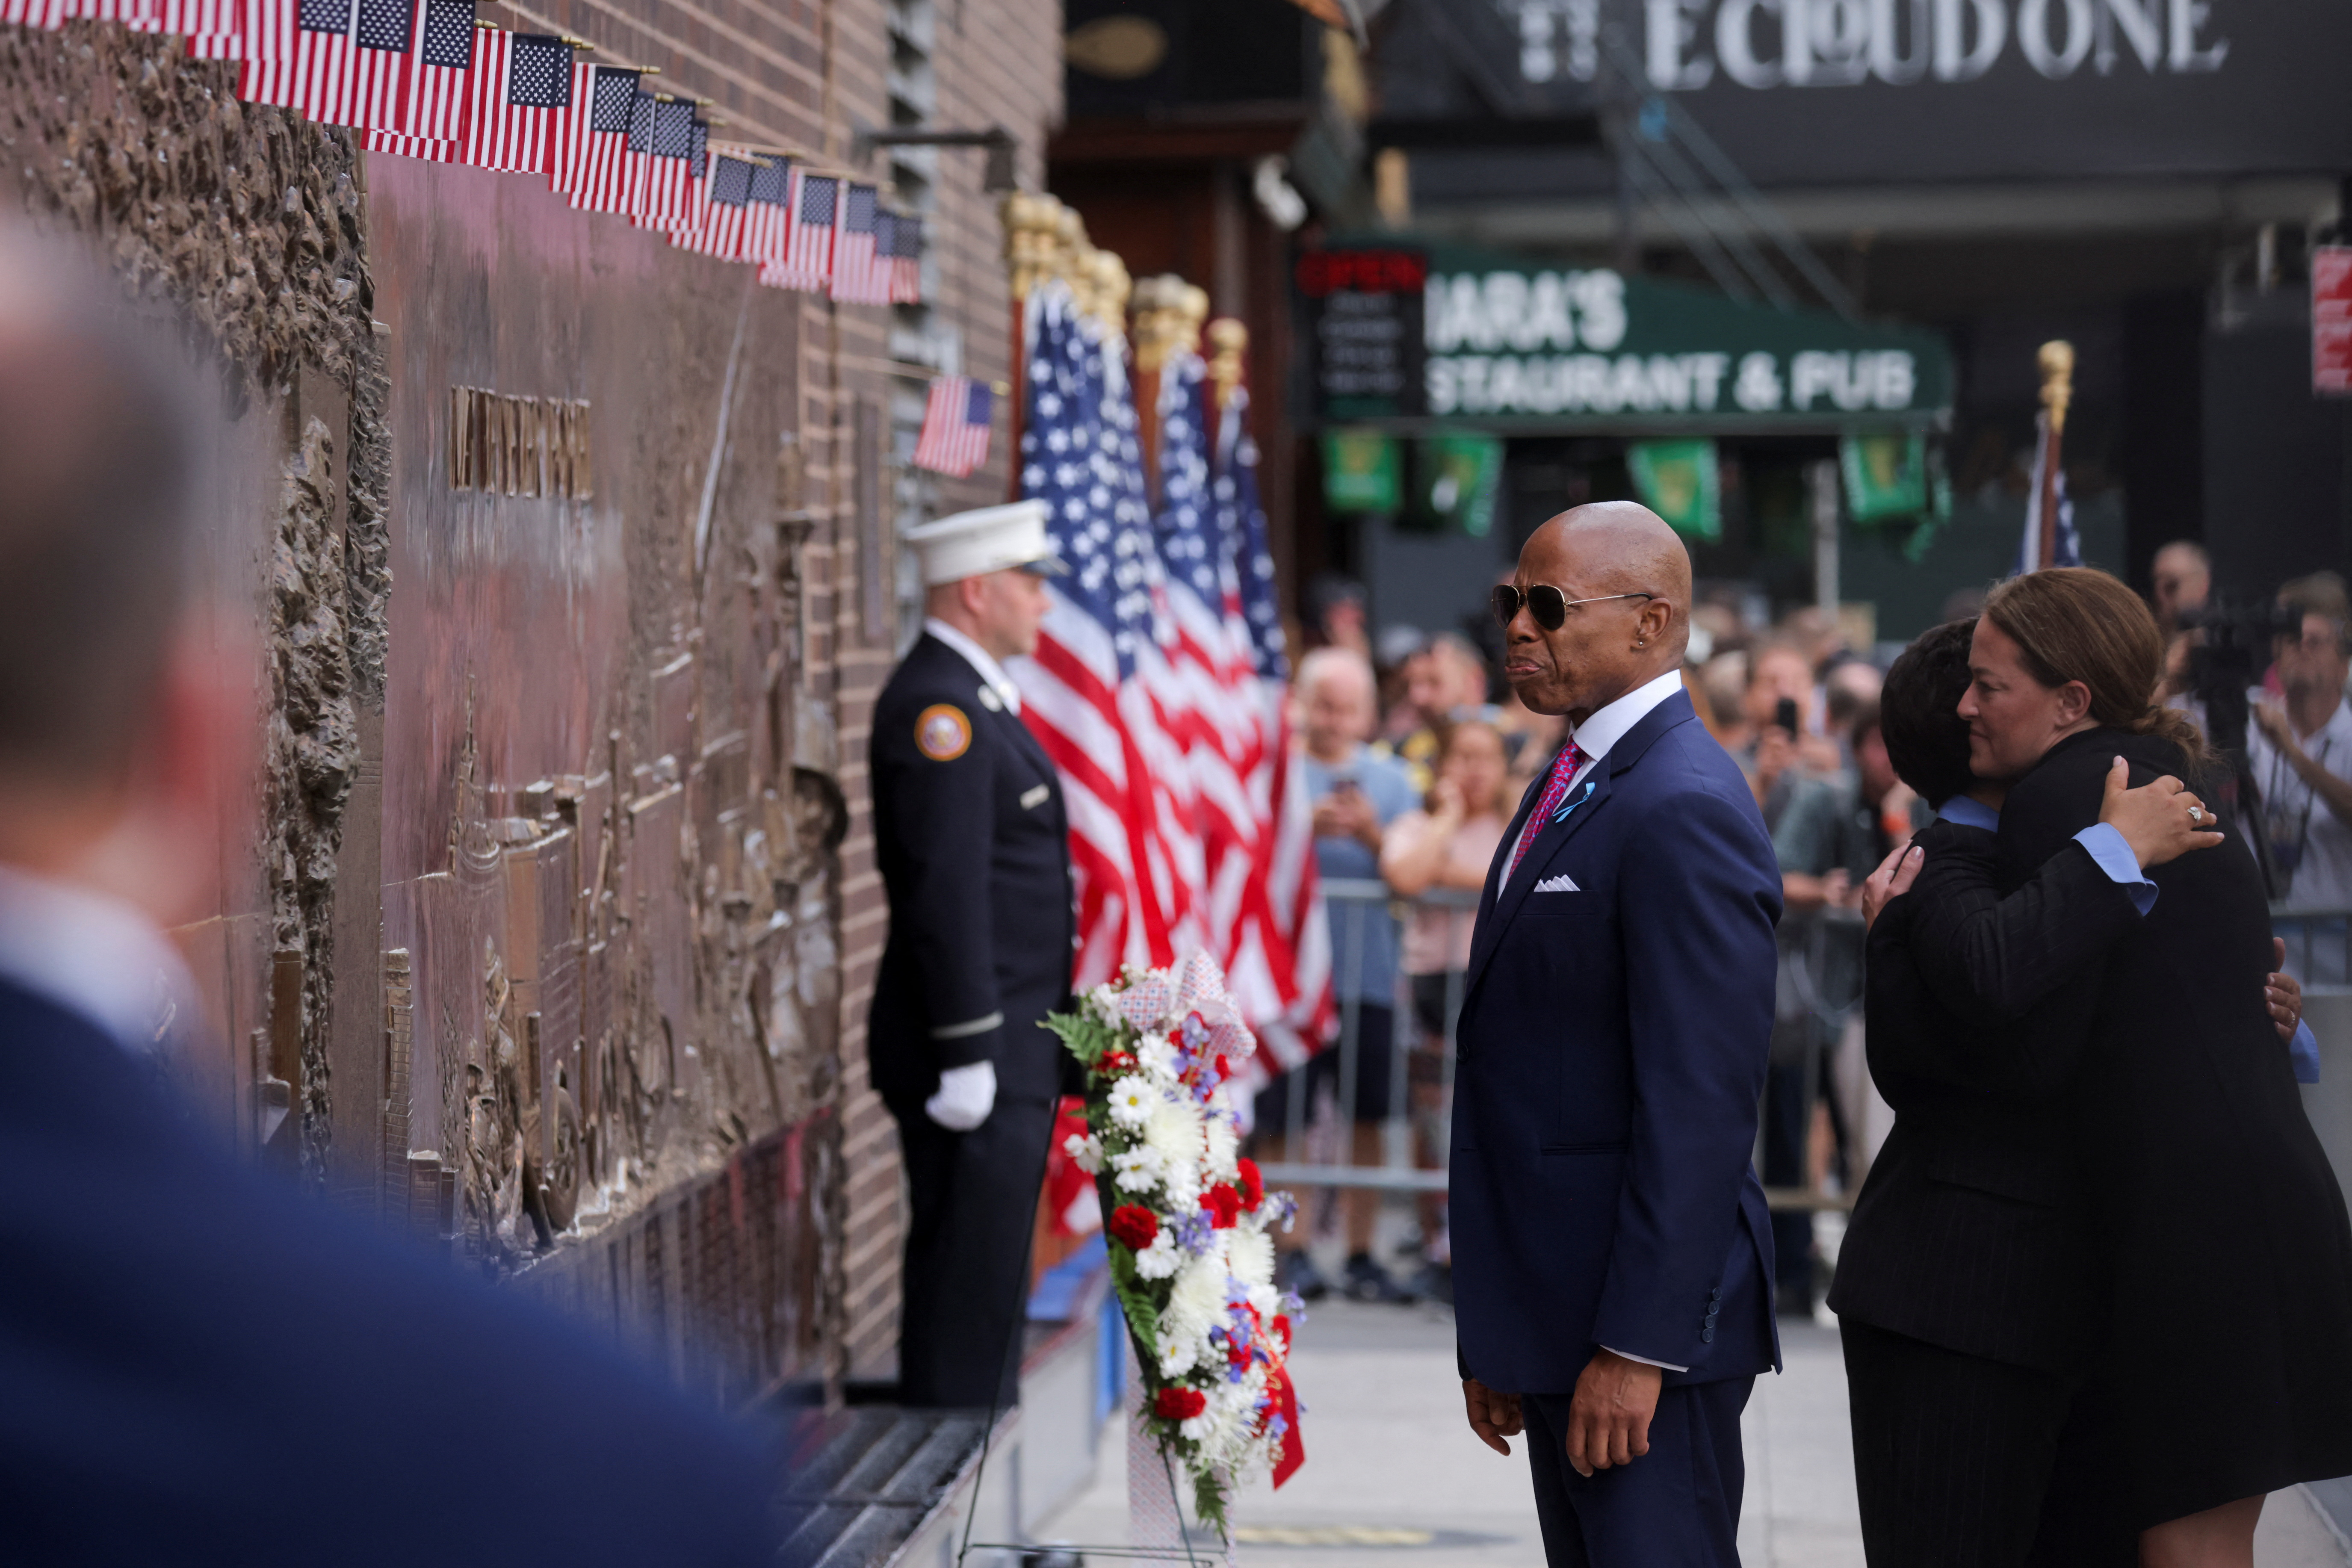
{"x": 974, "y": 849}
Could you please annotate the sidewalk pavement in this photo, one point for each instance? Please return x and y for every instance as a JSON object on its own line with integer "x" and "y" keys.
{"x": 1394, "y": 1479}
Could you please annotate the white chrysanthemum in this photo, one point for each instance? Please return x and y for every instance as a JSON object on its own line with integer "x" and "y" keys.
{"x": 1266, "y": 1302}
{"x": 1174, "y": 1128}
{"x": 1138, "y": 1168}
{"x": 1161, "y": 1258}
{"x": 1179, "y": 1188}
{"x": 1132, "y": 1103}
{"x": 1178, "y": 1357}
{"x": 1251, "y": 1251}
{"x": 1199, "y": 1428}
{"x": 1156, "y": 1055}
{"x": 1197, "y": 1302}
{"x": 1223, "y": 1145}
{"x": 1085, "y": 1152}
{"x": 1104, "y": 1002}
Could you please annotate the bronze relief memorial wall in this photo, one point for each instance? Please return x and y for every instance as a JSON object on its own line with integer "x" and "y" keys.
{"x": 608, "y": 876}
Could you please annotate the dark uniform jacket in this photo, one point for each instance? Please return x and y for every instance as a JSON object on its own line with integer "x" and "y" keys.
{"x": 1973, "y": 1232}
{"x": 974, "y": 845}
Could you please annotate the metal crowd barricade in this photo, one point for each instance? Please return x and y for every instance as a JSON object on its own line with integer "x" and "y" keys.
{"x": 2318, "y": 943}
{"x": 1321, "y": 1134}
{"x": 1317, "y": 1138}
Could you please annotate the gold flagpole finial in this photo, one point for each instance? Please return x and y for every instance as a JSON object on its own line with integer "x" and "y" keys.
{"x": 2057, "y": 362}
{"x": 1228, "y": 340}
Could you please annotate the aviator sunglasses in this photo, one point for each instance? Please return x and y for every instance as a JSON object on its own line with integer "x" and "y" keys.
{"x": 1547, "y": 603}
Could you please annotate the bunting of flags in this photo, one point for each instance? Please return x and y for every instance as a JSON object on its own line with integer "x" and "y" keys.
{"x": 424, "y": 79}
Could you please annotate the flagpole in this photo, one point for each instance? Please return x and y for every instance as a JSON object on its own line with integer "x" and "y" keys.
{"x": 2057, "y": 362}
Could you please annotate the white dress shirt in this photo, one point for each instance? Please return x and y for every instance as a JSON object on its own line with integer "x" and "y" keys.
{"x": 992, "y": 674}
{"x": 91, "y": 955}
{"x": 1604, "y": 728}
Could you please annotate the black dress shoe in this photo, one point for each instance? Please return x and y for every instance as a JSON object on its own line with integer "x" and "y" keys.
{"x": 1297, "y": 1272}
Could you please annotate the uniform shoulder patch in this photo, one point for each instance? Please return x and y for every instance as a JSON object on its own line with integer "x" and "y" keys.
{"x": 942, "y": 732}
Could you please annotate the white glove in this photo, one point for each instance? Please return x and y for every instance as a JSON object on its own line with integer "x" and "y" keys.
{"x": 966, "y": 1096}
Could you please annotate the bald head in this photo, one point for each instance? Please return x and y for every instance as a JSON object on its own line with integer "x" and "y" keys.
{"x": 1629, "y": 548}
{"x": 1626, "y": 579}
{"x": 93, "y": 504}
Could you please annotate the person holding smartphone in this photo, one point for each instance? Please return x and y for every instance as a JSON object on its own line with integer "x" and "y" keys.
{"x": 1356, "y": 794}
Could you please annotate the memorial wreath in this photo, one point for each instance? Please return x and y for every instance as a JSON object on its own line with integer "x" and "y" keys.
{"x": 1192, "y": 1255}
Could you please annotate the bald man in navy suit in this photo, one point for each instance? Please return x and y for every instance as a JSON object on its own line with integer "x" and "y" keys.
{"x": 1613, "y": 1253}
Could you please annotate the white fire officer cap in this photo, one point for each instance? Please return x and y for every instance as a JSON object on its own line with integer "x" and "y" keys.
{"x": 991, "y": 539}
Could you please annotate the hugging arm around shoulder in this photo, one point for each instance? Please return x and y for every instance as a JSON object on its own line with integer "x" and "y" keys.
{"x": 1995, "y": 959}
{"x": 1696, "y": 909}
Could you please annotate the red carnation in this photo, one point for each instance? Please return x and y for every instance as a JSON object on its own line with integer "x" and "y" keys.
{"x": 1224, "y": 1204}
{"x": 1253, "y": 1183}
{"x": 1115, "y": 1061}
{"x": 1179, "y": 1404}
{"x": 1281, "y": 1331}
{"x": 1136, "y": 1226}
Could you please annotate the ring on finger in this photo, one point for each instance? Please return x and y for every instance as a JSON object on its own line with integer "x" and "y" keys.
{"x": 2196, "y": 814}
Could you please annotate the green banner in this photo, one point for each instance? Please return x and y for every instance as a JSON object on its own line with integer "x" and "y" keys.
{"x": 1680, "y": 481}
{"x": 1886, "y": 476}
{"x": 1456, "y": 482}
{"x": 1361, "y": 472}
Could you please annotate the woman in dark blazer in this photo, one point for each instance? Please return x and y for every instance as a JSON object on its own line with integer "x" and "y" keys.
{"x": 2226, "y": 1367}
{"x": 1968, "y": 1288}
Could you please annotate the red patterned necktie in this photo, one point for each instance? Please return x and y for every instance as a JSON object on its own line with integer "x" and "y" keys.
{"x": 1563, "y": 768}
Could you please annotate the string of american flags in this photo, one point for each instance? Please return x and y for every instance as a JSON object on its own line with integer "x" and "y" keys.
{"x": 424, "y": 78}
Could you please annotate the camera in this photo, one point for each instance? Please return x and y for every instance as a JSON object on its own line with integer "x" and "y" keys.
{"x": 2229, "y": 658}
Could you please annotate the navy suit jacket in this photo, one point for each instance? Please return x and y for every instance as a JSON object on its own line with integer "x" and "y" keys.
{"x": 1613, "y": 1047}
{"x": 200, "y": 1366}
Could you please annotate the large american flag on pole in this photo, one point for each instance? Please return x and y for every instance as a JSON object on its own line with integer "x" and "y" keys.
{"x": 1076, "y": 692}
{"x": 1278, "y": 963}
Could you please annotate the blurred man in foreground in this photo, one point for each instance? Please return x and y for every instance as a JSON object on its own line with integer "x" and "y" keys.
{"x": 195, "y": 1365}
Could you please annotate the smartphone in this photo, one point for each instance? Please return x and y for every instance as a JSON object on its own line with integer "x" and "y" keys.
{"x": 1785, "y": 715}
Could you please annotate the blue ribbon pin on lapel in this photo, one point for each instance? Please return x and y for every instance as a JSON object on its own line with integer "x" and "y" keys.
{"x": 1561, "y": 815}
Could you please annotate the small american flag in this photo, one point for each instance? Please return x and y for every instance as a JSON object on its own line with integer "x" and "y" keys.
{"x": 721, "y": 231}
{"x": 127, "y": 11}
{"x": 194, "y": 20}
{"x": 854, "y": 261}
{"x": 808, "y": 247}
{"x": 433, "y": 101}
{"x": 665, "y": 170}
{"x": 767, "y": 225}
{"x": 519, "y": 81}
{"x": 591, "y": 139}
{"x": 214, "y": 29}
{"x": 907, "y": 260}
{"x": 297, "y": 53}
{"x": 696, "y": 205}
{"x": 379, "y": 65}
{"x": 956, "y": 416}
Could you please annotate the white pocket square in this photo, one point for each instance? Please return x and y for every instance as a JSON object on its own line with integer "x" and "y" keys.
{"x": 1560, "y": 884}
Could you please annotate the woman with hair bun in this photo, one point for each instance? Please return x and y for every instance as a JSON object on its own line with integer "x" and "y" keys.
{"x": 2226, "y": 1371}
